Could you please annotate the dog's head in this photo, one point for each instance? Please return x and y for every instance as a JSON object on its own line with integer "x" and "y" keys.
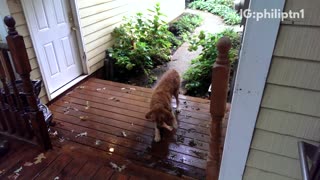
{"x": 161, "y": 116}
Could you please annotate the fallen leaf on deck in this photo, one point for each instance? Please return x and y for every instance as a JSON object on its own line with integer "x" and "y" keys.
{"x": 18, "y": 170}
{"x": 98, "y": 142}
{"x": 115, "y": 166}
{"x": 124, "y": 134}
{"x": 198, "y": 109}
{"x": 98, "y": 89}
{"x": 83, "y": 118}
{"x": 2, "y": 171}
{"x": 81, "y": 87}
{"x": 14, "y": 176}
{"x": 104, "y": 88}
{"x": 72, "y": 130}
{"x": 131, "y": 124}
{"x": 123, "y": 88}
{"x": 81, "y": 134}
{"x": 39, "y": 158}
{"x": 28, "y": 164}
{"x": 184, "y": 102}
{"x": 56, "y": 178}
{"x": 133, "y": 89}
{"x": 192, "y": 143}
{"x": 87, "y": 103}
{"x": 61, "y": 139}
{"x": 199, "y": 154}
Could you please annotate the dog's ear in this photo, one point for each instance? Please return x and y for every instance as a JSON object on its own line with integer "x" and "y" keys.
{"x": 148, "y": 115}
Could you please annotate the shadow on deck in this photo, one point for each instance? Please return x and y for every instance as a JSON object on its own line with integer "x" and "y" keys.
{"x": 100, "y": 123}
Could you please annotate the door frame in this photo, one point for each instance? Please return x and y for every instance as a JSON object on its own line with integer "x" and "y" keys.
{"x": 79, "y": 45}
{"x": 255, "y": 58}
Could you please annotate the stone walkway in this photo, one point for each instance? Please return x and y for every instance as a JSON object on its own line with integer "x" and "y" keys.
{"x": 181, "y": 59}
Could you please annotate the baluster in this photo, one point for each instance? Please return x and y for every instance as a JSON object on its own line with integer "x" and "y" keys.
{"x": 23, "y": 68}
{"x": 21, "y": 120}
{"x": 218, "y": 101}
{"x": 10, "y": 110}
{"x": 5, "y": 120}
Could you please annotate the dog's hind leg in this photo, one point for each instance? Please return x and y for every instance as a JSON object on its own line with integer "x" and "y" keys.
{"x": 176, "y": 95}
{"x": 157, "y": 136}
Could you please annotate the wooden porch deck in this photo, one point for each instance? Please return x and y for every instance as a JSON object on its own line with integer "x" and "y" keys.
{"x": 110, "y": 115}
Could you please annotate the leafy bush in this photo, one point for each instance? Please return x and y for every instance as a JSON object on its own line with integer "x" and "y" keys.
{"x": 223, "y": 8}
{"x": 186, "y": 24}
{"x": 198, "y": 76}
{"x": 141, "y": 43}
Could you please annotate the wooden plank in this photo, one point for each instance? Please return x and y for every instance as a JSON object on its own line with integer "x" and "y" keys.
{"x": 92, "y": 10}
{"x": 88, "y": 170}
{"x": 121, "y": 85}
{"x": 103, "y": 173}
{"x": 14, "y": 6}
{"x": 140, "y": 129}
{"x": 72, "y": 169}
{"x": 134, "y": 155}
{"x": 295, "y": 72}
{"x": 274, "y": 164}
{"x": 95, "y": 67}
{"x": 118, "y": 176}
{"x": 55, "y": 167}
{"x": 133, "y": 117}
{"x": 275, "y": 143}
{"x": 311, "y": 13}
{"x": 254, "y": 174}
{"x": 298, "y": 42}
{"x": 102, "y": 16}
{"x": 292, "y": 100}
{"x": 132, "y": 137}
{"x": 86, "y": 3}
{"x": 98, "y": 50}
{"x": 102, "y": 24}
{"x": 137, "y": 98}
{"x": 291, "y": 124}
{"x": 100, "y": 33}
{"x": 132, "y": 168}
{"x": 98, "y": 42}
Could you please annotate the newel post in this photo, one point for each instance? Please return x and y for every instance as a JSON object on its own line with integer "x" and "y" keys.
{"x": 23, "y": 68}
{"x": 218, "y": 100}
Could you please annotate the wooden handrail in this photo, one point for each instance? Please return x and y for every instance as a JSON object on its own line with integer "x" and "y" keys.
{"x": 218, "y": 101}
{"x": 22, "y": 66}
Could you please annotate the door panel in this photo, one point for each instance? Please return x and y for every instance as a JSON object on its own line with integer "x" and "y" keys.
{"x": 54, "y": 40}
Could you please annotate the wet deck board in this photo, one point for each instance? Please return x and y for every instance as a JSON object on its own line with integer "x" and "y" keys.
{"x": 105, "y": 110}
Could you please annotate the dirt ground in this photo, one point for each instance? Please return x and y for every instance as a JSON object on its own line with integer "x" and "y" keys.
{"x": 181, "y": 59}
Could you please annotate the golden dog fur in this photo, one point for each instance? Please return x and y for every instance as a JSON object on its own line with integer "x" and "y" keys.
{"x": 160, "y": 105}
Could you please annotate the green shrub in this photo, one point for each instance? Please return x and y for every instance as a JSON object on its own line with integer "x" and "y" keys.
{"x": 186, "y": 24}
{"x": 223, "y": 8}
{"x": 141, "y": 43}
{"x": 198, "y": 76}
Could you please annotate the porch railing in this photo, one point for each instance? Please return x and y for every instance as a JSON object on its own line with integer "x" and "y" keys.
{"x": 218, "y": 101}
{"x": 20, "y": 115}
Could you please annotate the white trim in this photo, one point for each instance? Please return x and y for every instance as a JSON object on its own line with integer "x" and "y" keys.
{"x": 255, "y": 58}
{"x": 67, "y": 86}
{"x": 79, "y": 33}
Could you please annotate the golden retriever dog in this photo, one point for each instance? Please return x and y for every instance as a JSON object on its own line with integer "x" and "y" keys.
{"x": 160, "y": 105}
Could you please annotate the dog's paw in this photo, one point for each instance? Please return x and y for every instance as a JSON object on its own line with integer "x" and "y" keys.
{"x": 157, "y": 138}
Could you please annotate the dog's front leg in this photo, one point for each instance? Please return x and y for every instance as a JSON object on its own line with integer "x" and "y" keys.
{"x": 157, "y": 136}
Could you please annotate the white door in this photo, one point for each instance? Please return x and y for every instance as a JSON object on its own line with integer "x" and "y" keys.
{"x": 51, "y": 25}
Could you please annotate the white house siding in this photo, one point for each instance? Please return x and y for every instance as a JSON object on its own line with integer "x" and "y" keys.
{"x": 289, "y": 110}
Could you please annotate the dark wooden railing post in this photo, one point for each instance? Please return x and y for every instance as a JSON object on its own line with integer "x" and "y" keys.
{"x": 218, "y": 101}
{"x": 23, "y": 68}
